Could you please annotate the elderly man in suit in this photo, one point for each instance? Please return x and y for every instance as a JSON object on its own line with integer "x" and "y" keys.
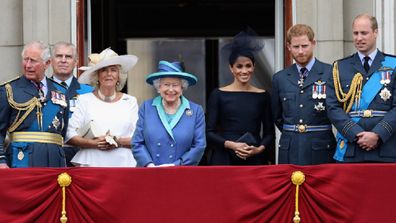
{"x": 34, "y": 112}
{"x": 298, "y": 103}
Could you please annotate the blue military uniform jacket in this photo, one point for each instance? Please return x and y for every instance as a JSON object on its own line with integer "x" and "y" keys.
{"x": 296, "y": 105}
{"x": 384, "y": 125}
{"x": 182, "y": 142}
{"x": 75, "y": 89}
{"x": 54, "y": 121}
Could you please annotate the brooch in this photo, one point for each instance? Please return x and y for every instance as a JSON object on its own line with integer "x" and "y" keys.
{"x": 189, "y": 112}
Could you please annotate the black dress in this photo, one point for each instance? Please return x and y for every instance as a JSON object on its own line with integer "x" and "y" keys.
{"x": 230, "y": 115}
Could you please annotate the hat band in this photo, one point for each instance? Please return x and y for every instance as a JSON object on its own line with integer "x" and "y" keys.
{"x": 165, "y": 66}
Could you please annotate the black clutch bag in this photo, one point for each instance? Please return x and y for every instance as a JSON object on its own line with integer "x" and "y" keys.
{"x": 247, "y": 138}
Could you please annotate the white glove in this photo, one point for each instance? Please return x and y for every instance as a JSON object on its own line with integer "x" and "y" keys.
{"x": 150, "y": 165}
{"x": 166, "y": 164}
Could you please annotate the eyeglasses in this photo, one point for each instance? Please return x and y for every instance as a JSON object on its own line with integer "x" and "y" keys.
{"x": 170, "y": 85}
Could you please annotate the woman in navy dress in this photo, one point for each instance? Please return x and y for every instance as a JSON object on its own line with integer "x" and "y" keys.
{"x": 240, "y": 129}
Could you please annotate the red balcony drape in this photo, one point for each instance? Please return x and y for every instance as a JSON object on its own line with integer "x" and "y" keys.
{"x": 330, "y": 193}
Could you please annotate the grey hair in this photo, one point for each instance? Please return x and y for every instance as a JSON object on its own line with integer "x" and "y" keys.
{"x": 121, "y": 78}
{"x": 65, "y": 44}
{"x": 156, "y": 84}
{"x": 45, "y": 54}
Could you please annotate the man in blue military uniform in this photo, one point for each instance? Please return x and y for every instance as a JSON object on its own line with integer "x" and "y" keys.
{"x": 298, "y": 103}
{"x": 361, "y": 102}
{"x": 64, "y": 60}
{"x": 34, "y": 112}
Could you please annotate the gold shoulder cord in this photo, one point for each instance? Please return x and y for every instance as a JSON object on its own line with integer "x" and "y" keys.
{"x": 26, "y": 106}
{"x": 354, "y": 93}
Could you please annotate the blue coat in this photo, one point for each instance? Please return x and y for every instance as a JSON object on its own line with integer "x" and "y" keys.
{"x": 384, "y": 126}
{"x": 182, "y": 142}
{"x": 292, "y": 105}
{"x": 75, "y": 89}
{"x": 54, "y": 120}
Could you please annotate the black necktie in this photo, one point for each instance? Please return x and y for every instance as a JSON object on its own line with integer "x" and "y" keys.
{"x": 366, "y": 64}
{"x": 64, "y": 84}
{"x": 303, "y": 72}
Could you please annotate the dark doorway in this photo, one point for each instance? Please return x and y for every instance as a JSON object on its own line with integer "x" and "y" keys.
{"x": 114, "y": 21}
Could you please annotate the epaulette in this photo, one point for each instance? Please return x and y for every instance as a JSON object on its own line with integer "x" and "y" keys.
{"x": 345, "y": 58}
{"x": 53, "y": 81}
{"x": 9, "y": 81}
{"x": 389, "y": 55}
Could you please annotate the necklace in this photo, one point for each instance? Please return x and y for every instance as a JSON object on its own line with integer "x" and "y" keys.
{"x": 107, "y": 98}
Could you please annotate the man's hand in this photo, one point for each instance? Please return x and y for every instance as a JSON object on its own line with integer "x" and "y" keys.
{"x": 367, "y": 140}
{"x": 3, "y": 166}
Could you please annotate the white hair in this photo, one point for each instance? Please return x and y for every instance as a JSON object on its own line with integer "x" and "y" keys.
{"x": 45, "y": 54}
{"x": 156, "y": 84}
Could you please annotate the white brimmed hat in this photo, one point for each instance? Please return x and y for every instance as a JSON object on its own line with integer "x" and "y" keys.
{"x": 104, "y": 59}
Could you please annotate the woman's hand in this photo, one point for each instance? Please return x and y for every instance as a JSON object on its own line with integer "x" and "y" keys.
{"x": 101, "y": 143}
{"x": 249, "y": 151}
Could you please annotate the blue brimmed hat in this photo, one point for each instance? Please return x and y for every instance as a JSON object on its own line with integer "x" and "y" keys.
{"x": 174, "y": 69}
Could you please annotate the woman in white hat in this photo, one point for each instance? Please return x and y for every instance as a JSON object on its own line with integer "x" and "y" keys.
{"x": 104, "y": 120}
{"x": 171, "y": 129}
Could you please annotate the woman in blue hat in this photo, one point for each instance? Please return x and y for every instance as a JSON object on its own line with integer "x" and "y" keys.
{"x": 171, "y": 129}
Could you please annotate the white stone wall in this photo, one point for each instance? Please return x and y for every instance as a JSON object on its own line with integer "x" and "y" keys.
{"x": 26, "y": 20}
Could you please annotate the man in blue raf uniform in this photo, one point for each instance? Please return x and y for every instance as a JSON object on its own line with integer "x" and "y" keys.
{"x": 361, "y": 102}
{"x": 64, "y": 60}
{"x": 298, "y": 103}
{"x": 34, "y": 112}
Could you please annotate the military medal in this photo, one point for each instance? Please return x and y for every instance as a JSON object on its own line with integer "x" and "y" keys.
{"x": 58, "y": 98}
{"x": 301, "y": 82}
{"x": 314, "y": 92}
{"x": 385, "y": 94}
{"x": 20, "y": 155}
{"x": 55, "y": 122}
{"x": 320, "y": 95}
{"x": 72, "y": 104}
{"x": 189, "y": 112}
{"x": 319, "y": 107}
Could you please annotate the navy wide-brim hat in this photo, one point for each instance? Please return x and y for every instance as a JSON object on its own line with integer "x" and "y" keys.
{"x": 174, "y": 69}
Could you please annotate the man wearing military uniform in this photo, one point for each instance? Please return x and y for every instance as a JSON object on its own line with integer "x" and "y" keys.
{"x": 298, "y": 103}
{"x": 361, "y": 102}
{"x": 34, "y": 112}
{"x": 64, "y": 60}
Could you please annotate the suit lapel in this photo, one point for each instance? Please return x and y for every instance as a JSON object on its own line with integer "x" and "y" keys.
{"x": 28, "y": 87}
{"x": 376, "y": 62}
{"x": 292, "y": 75}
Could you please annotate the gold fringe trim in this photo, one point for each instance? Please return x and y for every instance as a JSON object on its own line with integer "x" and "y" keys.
{"x": 26, "y": 106}
{"x": 297, "y": 178}
{"x": 64, "y": 180}
{"x": 354, "y": 93}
